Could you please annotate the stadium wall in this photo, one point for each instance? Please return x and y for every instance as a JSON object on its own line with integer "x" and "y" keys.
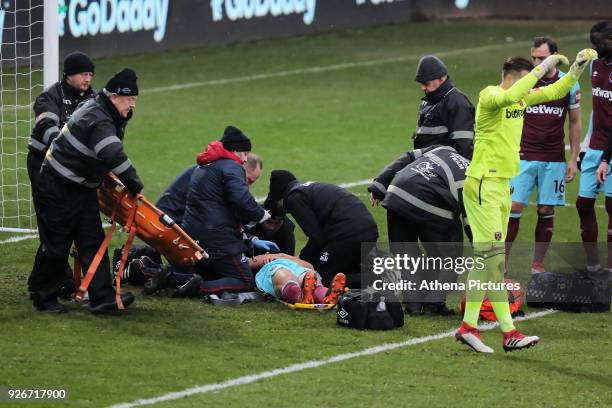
{"x": 120, "y": 27}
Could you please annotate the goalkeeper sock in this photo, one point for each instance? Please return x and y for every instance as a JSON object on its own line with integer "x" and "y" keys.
{"x": 474, "y": 297}
{"x": 499, "y": 298}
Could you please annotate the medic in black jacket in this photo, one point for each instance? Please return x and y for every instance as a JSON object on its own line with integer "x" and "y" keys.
{"x": 88, "y": 147}
{"x": 52, "y": 109}
{"x": 446, "y": 115}
{"x": 55, "y": 106}
{"x": 335, "y": 221}
{"x": 422, "y": 193}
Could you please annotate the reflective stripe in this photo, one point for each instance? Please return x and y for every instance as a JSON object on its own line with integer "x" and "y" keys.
{"x": 462, "y": 134}
{"x": 440, "y": 212}
{"x": 432, "y": 152}
{"x": 47, "y": 115}
{"x": 453, "y": 186}
{"x": 122, "y": 167}
{"x": 67, "y": 172}
{"x": 434, "y": 130}
{"x": 47, "y": 134}
{"x": 105, "y": 142}
{"x": 417, "y": 153}
{"x": 36, "y": 144}
{"x": 78, "y": 145}
{"x": 575, "y": 106}
{"x": 379, "y": 186}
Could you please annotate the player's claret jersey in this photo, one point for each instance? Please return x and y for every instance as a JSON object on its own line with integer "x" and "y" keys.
{"x": 498, "y": 137}
{"x": 543, "y": 134}
{"x": 601, "y": 82}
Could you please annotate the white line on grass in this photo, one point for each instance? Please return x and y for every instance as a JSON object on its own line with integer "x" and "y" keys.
{"x": 334, "y": 67}
{"x": 17, "y": 239}
{"x": 248, "y": 379}
{"x": 346, "y": 65}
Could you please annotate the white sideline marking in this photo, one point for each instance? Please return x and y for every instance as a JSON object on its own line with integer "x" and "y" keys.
{"x": 343, "y": 185}
{"x": 328, "y": 68}
{"x": 17, "y": 239}
{"x": 347, "y": 65}
{"x": 248, "y": 379}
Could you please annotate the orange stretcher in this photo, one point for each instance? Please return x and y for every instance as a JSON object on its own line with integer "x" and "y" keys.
{"x": 152, "y": 225}
{"x": 140, "y": 218}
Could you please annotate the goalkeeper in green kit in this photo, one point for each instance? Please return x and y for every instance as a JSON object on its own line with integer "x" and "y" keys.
{"x": 486, "y": 193}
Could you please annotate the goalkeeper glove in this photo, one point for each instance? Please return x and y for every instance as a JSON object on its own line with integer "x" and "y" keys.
{"x": 582, "y": 59}
{"x": 549, "y": 63}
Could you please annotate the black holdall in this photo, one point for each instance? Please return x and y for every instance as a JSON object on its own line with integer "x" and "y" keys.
{"x": 571, "y": 292}
{"x": 369, "y": 310}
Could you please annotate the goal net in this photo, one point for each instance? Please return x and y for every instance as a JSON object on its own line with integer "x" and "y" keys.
{"x": 22, "y": 46}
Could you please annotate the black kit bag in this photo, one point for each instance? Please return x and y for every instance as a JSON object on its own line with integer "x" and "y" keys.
{"x": 570, "y": 292}
{"x": 369, "y": 310}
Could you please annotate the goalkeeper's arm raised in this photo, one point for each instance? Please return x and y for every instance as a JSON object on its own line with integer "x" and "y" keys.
{"x": 520, "y": 89}
{"x": 560, "y": 88}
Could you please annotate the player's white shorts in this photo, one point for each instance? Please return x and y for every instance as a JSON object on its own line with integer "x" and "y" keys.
{"x": 549, "y": 177}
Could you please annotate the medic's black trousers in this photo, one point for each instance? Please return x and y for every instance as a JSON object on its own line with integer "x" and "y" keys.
{"x": 67, "y": 213}
{"x": 439, "y": 237}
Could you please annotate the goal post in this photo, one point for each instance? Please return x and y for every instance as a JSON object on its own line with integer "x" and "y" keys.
{"x": 28, "y": 62}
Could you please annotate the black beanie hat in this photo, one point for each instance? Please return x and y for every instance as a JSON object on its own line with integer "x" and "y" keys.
{"x": 123, "y": 83}
{"x": 279, "y": 180}
{"x": 235, "y": 141}
{"x": 77, "y": 62}
{"x": 430, "y": 67}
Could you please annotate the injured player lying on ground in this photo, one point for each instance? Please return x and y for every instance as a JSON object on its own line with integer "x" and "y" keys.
{"x": 280, "y": 276}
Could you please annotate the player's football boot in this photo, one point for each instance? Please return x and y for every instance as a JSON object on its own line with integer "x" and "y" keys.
{"x": 308, "y": 287}
{"x": 139, "y": 271}
{"x": 471, "y": 337}
{"x": 336, "y": 288}
{"x": 515, "y": 340}
{"x": 537, "y": 267}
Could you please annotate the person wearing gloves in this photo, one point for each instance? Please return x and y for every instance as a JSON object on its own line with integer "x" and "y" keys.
{"x": 218, "y": 205}
{"x": 335, "y": 221}
{"x": 88, "y": 147}
{"x": 486, "y": 192}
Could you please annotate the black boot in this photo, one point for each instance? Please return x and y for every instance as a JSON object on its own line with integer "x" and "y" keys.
{"x": 47, "y": 305}
{"x": 437, "y": 309}
{"x": 414, "y": 308}
{"x": 110, "y": 306}
{"x": 157, "y": 282}
{"x": 190, "y": 289}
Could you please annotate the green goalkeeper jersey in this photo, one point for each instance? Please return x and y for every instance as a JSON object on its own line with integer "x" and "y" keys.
{"x": 499, "y": 124}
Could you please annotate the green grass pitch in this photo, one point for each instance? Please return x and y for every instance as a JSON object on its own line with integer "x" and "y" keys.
{"x": 339, "y": 124}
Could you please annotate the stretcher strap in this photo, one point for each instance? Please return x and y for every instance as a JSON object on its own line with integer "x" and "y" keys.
{"x": 126, "y": 249}
{"x": 98, "y": 257}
